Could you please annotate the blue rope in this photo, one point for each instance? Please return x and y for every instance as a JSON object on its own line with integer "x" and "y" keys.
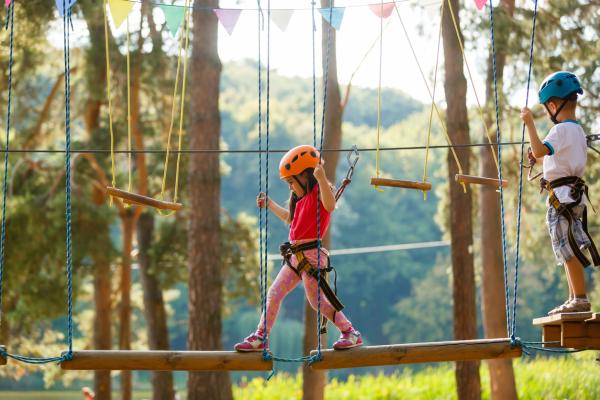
{"x": 69, "y": 354}
{"x": 516, "y": 285}
{"x": 11, "y": 13}
{"x": 498, "y": 134}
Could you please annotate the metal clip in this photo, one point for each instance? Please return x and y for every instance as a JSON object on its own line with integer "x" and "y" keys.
{"x": 352, "y": 158}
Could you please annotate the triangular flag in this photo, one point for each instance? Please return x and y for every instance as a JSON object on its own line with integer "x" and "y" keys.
{"x": 480, "y": 4}
{"x": 7, "y": 3}
{"x": 173, "y": 17}
{"x": 228, "y": 17}
{"x": 60, "y": 5}
{"x": 336, "y": 13}
{"x": 382, "y": 10}
{"x": 120, "y": 9}
{"x": 281, "y": 18}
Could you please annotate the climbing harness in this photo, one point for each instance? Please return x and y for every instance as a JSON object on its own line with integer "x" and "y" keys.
{"x": 288, "y": 250}
{"x": 578, "y": 190}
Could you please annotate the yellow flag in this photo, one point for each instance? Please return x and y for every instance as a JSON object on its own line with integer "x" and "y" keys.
{"x": 119, "y": 10}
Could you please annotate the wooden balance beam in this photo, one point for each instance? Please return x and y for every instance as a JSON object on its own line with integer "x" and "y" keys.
{"x": 424, "y": 186}
{"x": 470, "y": 179}
{"x": 138, "y": 199}
{"x": 132, "y": 360}
{"x": 579, "y": 330}
{"x": 414, "y": 353}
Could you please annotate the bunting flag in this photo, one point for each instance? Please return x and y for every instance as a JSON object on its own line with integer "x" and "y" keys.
{"x": 337, "y": 14}
{"x": 382, "y": 10}
{"x": 228, "y": 17}
{"x": 120, "y": 9}
{"x": 60, "y": 5}
{"x": 281, "y": 18}
{"x": 173, "y": 17}
{"x": 7, "y": 3}
{"x": 480, "y": 4}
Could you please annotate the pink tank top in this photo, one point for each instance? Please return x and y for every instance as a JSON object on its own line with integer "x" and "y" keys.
{"x": 304, "y": 225}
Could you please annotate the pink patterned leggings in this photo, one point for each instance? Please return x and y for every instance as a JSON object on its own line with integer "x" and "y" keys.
{"x": 287, "y": 280}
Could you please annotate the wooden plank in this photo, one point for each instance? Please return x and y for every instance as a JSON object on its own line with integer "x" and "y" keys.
{"x": 424, "y": 186}
{"x": 470, "y": 179}
{"x": 412, "y": 353}
{"x": 551, "y": 333}
{"x": 557, "y": 319}
{"x": 3, "y": 359}
{"x": 595, "y": 317}
{"x": 138, "y": 199}
{"x": 592, "y": 329}
{"x": 166, "y": 361}
{"x": 582, "y": 343}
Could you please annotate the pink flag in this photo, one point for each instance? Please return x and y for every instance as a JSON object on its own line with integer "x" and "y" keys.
{"x": 382, "y": 10}
{"x": 228, "y": 17}
{"x": 7, "y": 3}
{"x": 480, "y": 3}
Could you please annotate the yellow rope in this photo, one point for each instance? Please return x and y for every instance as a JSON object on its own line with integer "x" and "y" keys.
{"x": 437, "y": 60}
{"x": 184, "y": 32}
{"x": 439, "y": 114}
{"x": 487, "y": 131}
{"x": 110, "y": 119}
{"x": 377, "y": 156}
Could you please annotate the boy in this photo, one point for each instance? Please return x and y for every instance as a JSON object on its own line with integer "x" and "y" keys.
{"x": 564, "y": 153}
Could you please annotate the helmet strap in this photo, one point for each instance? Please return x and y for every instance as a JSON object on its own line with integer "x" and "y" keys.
{"x": 553, "y": 116}
{"x": 303, "y": 186}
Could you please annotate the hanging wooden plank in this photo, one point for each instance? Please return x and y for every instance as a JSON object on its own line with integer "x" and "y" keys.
{"x": 478, "y": 180}
{"x": 413, "y": 353}
{"x": 157, "y": 360}
{"x": 138, "y": 199}
{"x": 424, "y": 186}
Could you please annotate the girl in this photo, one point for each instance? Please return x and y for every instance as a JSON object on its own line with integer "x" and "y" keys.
{"x": 302, "y": 170}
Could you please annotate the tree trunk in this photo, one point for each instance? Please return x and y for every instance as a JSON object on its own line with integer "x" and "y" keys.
{"x": 102, "y": 324}
{"x": 502, "y": 376}
{"x": 204, "y": 183}
{"x": 127, "y": 227}
{"x": 463, "y": 274}
{"x": 313, "y": 383}
{"x": 154, "y": 308}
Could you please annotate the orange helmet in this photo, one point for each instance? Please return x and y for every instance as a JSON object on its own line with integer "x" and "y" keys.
{"x": 297, "y": 160}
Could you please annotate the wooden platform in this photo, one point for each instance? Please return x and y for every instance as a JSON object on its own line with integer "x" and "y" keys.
{"x": 571, "y": 330}
{"x": 166, "y": 361}
{"x": 414, "y": 353}
{"x": 424, "y": 186}
{"x": 137, "y": 199}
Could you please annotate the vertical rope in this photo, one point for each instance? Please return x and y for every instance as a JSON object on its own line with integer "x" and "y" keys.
{"x": 108, "y": 94}
{"x": 516, "y": 284}
{"x": 500, "y": 172}
{"x": 377, "y": 155}
{"x": 128, "y": 109}
{"x": 10, "y": 15}
{"x": 66, "y": 39}
{"x": 268, "y": 129}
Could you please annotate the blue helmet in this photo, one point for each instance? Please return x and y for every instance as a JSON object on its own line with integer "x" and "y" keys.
{"x": 560, "y": 84}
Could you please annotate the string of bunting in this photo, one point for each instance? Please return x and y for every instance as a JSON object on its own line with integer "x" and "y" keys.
{"x": 228, "y": 17}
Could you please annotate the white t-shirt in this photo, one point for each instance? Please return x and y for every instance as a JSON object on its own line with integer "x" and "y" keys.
{"x": 568, "y": 155}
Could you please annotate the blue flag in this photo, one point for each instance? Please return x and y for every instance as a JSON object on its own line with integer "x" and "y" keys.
{"x": 60, "y": 4}
{"x": 337, "y": 14}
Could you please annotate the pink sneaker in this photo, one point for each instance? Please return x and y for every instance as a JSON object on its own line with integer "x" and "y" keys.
{"x": 348, "y": 340}
{"x": 254, "y": 342}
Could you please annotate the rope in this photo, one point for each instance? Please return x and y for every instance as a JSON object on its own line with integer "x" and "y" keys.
{"x": 10, "y": 16}
{"x": 129, "y": 169}
{"x": 377, "y": 160}
{"x": 109, "y": 96}
{"x": 69, "y": 354}
{"x": 437, "y": 60}
{"x": 462, "y": 50}
{"x": 500, "y": 172}
{"x": 250, "y": 151}
{"x": 431, "y": 95}
{"x": 516, "y": 284}
{"x": 181, "y": 108}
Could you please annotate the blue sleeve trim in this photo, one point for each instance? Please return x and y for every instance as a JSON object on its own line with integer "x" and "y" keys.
{"x": 549, "y": 146}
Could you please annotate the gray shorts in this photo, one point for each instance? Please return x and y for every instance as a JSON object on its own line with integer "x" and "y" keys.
{"x": 558, "y": 227}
